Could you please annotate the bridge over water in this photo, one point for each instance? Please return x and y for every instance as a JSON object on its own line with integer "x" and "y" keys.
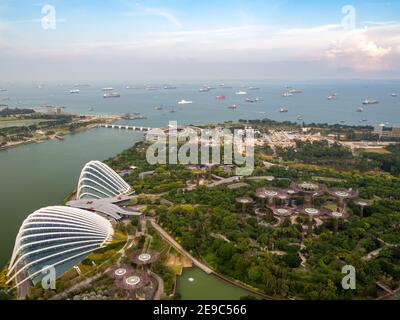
{"x": 124, "y": 127}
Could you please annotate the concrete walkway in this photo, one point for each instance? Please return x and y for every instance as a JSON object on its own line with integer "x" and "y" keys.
{"x": 179, "y": 248}
{"x": 160, "y": 289}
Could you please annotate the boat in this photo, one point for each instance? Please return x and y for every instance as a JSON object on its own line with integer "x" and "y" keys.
{"x": 360, "y": 109}
{"x": 294, "y": 91}
{"x": 3, "y": 90}
{"x": 332, "y": 97}
{"x": 183, "y": 102}
{"x": 112, "y": 95}
{"x": 152, "y": 88}
{"x": 250, "y": 100}
{"x": 60, "y": 138}
{"x": 287, "y": 94}
{"x": 223, "y": 86}
{"x": 75, "y": 91}
{"x": 108, "y": 89}
{"x": 91, "y": 109}
{"x": 220, "y": 97}
{"x": 283, "y": 110}
{"x": 299, "y": 118}
{"x": 172, "y": 110}
{"x": 394, "y": 95}
{"x": 254, "y": 88}
{"x": 135, "y": 116}
{"x": 158, "y": 108}
{"x": 241, "y": 93}
{"x": 168, "y": 87}
{"x": 131, "y": 88}
{"x": 233, "y": 107}
{"x": 204, "y": 89}
{"x": 367, "y": 102}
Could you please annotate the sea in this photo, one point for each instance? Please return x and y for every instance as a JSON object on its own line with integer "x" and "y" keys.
{"x": 38, "y": 175}
{"x": 310, "y": 106}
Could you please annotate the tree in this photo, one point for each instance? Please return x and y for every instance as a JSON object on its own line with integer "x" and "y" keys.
{"x": 254, "y": 274}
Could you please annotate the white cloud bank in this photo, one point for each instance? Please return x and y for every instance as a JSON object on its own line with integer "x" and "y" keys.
{"x": 365, "y": 51}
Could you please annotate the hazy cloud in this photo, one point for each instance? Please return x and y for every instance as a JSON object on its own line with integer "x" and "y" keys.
{"x": 139, "y": 10}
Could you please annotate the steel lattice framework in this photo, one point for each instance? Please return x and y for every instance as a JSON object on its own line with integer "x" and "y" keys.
{"x": 59, "y": 237}
{"x": 98, "y": 181}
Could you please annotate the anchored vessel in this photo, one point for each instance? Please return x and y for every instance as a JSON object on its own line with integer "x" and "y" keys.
{"x": 367, "y": 101}
{"x": 185, "y": 102}
{"x": 241, "y": 93}
{"x": 112, "y": 95}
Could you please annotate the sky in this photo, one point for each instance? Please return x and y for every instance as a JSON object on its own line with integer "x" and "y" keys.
{"x": 76, "y": 40}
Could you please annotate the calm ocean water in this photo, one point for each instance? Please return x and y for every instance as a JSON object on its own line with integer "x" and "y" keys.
{"x": 312, "y": 104}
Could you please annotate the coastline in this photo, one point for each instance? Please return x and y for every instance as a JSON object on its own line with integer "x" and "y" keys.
{"x": 64, "y": 131}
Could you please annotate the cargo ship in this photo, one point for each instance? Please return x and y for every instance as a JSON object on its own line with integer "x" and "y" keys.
{"x": 185, "y": 102}
{"x": 112, "y": 95}
{"x": 367, "y": 102}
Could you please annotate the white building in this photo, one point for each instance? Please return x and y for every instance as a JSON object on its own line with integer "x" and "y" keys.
{"x": 59, "y": 237}
{"x": 98, "y": 181}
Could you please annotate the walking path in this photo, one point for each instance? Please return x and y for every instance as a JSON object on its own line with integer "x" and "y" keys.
{"x": 160, "y": 288}
{"x": 85, "y": 283}
{"x": 372, "y": 254}
{"x": 197, "y": 263}
{"x": 78, "y": 287}
{"x": 179, "y": 248}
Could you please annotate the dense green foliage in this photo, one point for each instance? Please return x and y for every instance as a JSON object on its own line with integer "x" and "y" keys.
{"x": 320, "y": 152}
{"x": 12, "y": 112}
{"x": 209, "y": 223}
{"x": 387, "y": 162}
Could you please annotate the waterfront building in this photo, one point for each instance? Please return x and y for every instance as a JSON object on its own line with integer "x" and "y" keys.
{"x": 98, "y": 181}
{"x": 59, "y": 237}
{"x": 111, "y": 208}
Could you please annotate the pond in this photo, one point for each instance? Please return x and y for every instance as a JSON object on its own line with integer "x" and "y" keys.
{"x": 195, "y": 284}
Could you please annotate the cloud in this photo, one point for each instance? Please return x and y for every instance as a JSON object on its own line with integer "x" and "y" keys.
{"x": 139, "y": 10}
{"x": 166, "y": 15}
{"x": 368, "y": 49}
{"x": 372, "y": 49}
{"x": 379, "y": 23}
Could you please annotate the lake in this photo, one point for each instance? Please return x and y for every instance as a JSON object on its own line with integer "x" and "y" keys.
{"x": 194, "y": 284}
{"x": 37, "y": 175}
